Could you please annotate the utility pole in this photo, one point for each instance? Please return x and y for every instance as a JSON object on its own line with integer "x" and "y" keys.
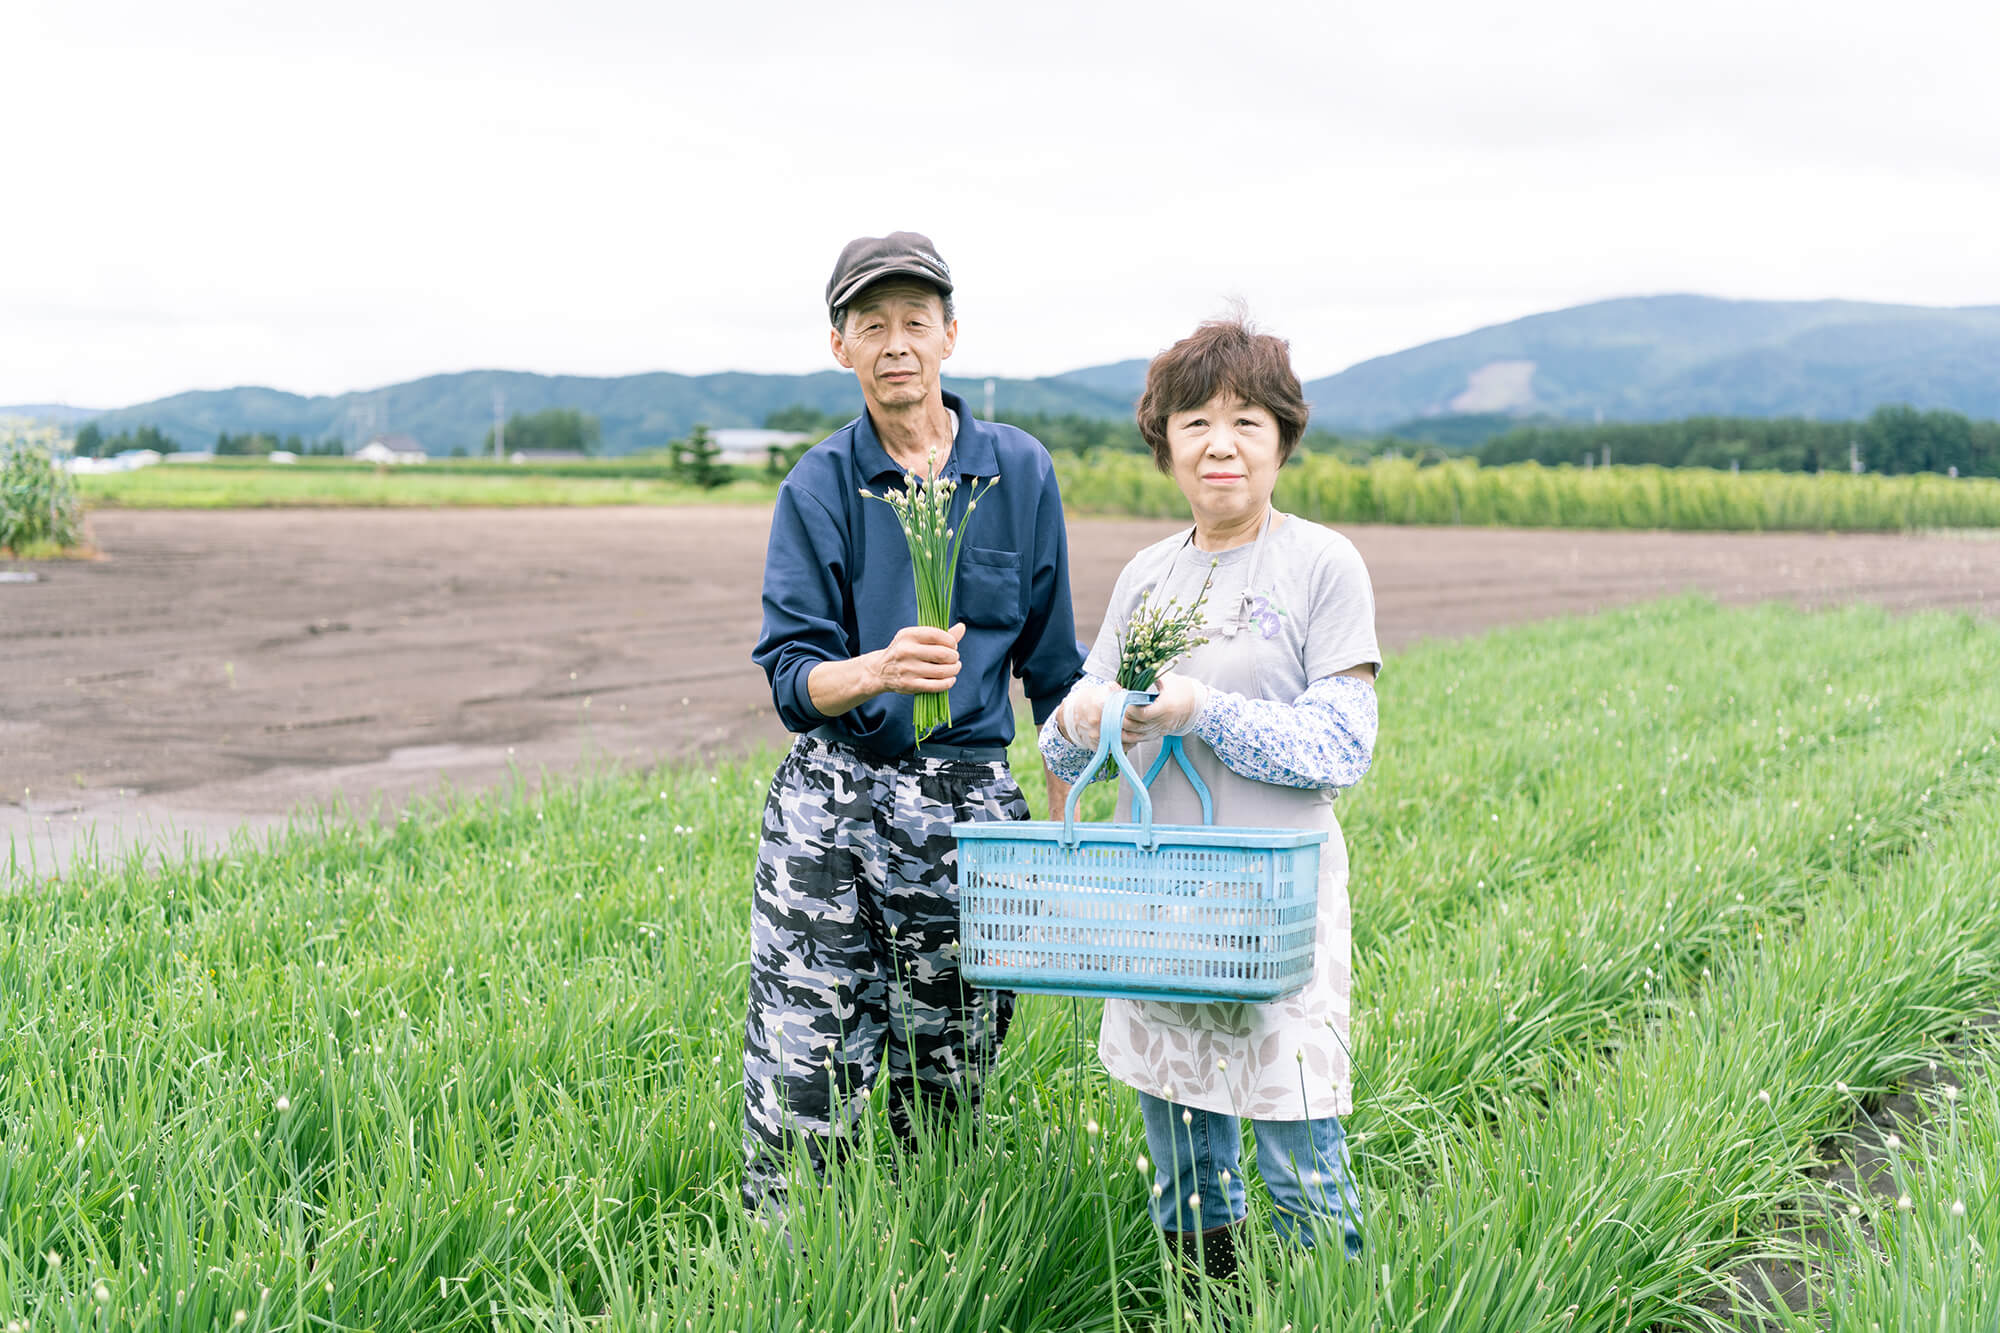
{"x": 989, "y": 400}
{"x": 499, "y": 424}
{"x": 1854, "y": 456}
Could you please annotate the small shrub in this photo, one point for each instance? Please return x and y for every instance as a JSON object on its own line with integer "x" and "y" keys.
{"x": 38, "y": 503}
{"x": 697, "y": 461}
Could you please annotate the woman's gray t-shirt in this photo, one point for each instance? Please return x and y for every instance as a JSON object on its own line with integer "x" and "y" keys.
{"x": 1312, "y": 614}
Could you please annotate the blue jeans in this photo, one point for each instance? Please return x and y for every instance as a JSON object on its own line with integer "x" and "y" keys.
{"x": 1304, "y": 1164}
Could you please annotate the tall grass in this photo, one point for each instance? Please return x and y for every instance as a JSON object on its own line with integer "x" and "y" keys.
{"x": 480, "y": 1069}
{"x": 1532, "y": 496}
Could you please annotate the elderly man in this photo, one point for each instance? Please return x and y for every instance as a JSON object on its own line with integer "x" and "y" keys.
{"x": 854, "y": 928}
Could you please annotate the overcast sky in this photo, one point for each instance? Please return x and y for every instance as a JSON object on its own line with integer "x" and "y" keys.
{"x": 329, "y": 197}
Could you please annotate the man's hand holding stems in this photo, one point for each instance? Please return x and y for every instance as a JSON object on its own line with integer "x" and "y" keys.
{"x": 919, "y": 660}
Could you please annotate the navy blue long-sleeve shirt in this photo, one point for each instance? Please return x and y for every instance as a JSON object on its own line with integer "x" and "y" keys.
{"x": 837, "y": 583}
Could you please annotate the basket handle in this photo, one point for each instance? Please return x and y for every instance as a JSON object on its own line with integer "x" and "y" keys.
{"x": 1110, "y": 730}
{"x": 1174, "y": 747}
{"x": 1110, "y": 742}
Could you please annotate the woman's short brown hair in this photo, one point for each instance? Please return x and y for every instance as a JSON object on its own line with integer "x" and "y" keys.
{"x": 1223, "y": 355}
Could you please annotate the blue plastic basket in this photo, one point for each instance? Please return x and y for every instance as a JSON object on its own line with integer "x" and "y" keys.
{"x": 1137, "y": 911}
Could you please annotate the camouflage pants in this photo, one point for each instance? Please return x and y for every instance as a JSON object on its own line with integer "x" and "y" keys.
{"x": 853, "y": 953}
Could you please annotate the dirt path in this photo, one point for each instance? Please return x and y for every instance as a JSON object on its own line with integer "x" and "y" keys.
{"x": 219, "y": 669}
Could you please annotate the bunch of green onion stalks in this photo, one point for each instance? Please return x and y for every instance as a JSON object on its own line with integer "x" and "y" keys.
{"x": 923, "y": 508}
{"x": 1159, "y": 635}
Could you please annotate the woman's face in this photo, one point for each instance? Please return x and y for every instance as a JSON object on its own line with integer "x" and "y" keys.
{"x": 1225, "y": 460}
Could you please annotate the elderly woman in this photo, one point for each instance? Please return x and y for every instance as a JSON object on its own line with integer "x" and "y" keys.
{"x": 1278, "y": 710}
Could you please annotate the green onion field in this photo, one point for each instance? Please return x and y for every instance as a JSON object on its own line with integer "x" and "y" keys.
{"x": 1646, "y": 907}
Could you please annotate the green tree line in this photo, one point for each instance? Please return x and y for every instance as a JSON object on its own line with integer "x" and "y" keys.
{"x": 1073, "y": 433}
{"x": 1894, "y": 440}
{"x": 251, "y": 444}
{"x": 92, "y": 442}
{"x": 558, "y": 430}
{"x": 1065, "y": 433}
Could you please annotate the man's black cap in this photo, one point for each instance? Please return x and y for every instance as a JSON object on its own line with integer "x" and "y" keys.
{"x": 870, "y": 259}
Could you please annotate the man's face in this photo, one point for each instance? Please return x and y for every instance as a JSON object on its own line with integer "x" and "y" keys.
{"x": 895, "y": 340}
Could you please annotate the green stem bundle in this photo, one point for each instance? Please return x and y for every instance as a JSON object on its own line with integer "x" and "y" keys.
{"x": 1160, "y": 634}
{"x": 923, "y": 510}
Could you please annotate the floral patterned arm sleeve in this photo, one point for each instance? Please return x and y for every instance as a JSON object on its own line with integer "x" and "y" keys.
{"x": 1065, "y": 758}
{"x": 1324, "y": 738}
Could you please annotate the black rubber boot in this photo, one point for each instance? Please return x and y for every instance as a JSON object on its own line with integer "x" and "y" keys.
{"x": 1210, "y": 1254}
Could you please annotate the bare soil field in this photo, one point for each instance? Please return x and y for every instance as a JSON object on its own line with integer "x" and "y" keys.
{"x": 221, "y": 670}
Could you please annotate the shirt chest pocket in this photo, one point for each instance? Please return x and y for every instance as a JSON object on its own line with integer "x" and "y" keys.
{"x": 989, "y": 588}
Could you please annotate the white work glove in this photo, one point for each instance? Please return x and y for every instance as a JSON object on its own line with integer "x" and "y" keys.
{"x": 1180, "y": 701}
{"x": 1082, "y": 714}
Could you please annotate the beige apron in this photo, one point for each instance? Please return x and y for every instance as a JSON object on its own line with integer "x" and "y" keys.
{"x": 1285, "y": 1060}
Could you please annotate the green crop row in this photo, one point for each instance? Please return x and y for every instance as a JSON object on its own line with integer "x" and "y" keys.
{"x": 479, "y": 1068}
{"x": 1538, "y": 984}
{"x": 1632, "y": 1195}
{"x": 1532, "y": 496}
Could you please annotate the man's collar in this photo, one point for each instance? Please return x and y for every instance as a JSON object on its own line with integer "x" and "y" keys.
{"x": 971, "y": 453}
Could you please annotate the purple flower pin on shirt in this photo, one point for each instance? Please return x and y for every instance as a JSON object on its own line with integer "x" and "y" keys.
{"x": 1265, "y": 616}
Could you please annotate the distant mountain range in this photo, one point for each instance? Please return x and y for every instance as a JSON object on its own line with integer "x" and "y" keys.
{"x": 1635, "y": 359}
{"x": 1653, "y": 358}
{"x": 636, "y": 411}
{"x": 55, "y": 414}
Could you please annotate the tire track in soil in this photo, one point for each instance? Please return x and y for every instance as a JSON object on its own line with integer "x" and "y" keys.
{"x": 1855, "y": 1162}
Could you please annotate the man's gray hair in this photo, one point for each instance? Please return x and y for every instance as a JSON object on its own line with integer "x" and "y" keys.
{"x": 840, "y": 311}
